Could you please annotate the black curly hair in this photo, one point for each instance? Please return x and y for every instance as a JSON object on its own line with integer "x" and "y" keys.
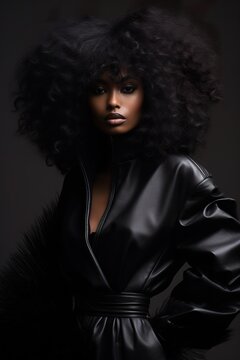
{"x": 174, "y": 60}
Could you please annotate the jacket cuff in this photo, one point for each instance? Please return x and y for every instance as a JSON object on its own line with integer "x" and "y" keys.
{"x": 181, "y": 343}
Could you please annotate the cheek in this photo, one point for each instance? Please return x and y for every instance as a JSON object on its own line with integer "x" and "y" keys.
{"x": 137, "y": 104}
{"x": 95, "y": 105}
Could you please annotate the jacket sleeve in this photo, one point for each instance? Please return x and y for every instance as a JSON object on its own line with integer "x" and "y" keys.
{"x": 201, "y": 307}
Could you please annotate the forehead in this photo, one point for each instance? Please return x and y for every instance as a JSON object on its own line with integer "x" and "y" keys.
{"x": 121, "y": 76}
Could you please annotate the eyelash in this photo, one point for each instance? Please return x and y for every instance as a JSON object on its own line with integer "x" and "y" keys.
{"x": 132, "y": 89}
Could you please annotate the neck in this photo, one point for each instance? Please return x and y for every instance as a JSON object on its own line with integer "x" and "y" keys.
{"x": 102, "y": 149}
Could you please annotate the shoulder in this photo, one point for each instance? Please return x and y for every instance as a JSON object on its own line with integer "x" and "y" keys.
{"x": 184, "y": 170}
{"x": 187, "y": 164}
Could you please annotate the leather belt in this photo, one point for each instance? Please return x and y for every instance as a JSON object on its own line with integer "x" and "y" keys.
{"x": 124, "y": 304}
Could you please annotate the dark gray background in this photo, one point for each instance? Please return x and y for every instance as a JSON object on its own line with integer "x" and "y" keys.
{"x": 27, "y": 184}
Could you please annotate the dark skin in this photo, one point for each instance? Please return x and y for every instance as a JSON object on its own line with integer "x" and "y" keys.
{"x": 100, "y": 195}
{"x": 107, "y": 96}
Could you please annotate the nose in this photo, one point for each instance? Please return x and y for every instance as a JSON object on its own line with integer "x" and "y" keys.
{"x": 113, "y": 100}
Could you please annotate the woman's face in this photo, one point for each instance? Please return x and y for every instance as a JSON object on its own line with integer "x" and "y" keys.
{"x": 115, "y": 106}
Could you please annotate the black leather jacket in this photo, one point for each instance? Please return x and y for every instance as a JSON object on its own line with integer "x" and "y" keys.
{"x": 161, "y": 214}
{"x": 66, "y": 295}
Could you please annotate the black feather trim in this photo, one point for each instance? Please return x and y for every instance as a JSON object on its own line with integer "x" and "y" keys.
{"x": 36, "y": 320}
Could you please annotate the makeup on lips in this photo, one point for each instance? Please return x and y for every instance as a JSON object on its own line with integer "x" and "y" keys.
{"x": 115, "y": 119}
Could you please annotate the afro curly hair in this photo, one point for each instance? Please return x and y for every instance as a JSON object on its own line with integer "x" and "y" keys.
{"x": 173, "y": 58}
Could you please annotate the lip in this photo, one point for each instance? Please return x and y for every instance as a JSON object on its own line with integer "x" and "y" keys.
{"x": 116, "y": 121}
{"x": 114, "y": 116}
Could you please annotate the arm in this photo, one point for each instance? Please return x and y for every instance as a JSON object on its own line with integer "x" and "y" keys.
{"x": 204, "y": 303}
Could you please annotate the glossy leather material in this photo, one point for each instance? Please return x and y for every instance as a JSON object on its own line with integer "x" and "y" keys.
{"x": 127, "y": 304}
{"x": 161, "y": 214}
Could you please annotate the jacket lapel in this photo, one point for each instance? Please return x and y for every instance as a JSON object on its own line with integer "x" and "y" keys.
{"x": 90, "y": 155}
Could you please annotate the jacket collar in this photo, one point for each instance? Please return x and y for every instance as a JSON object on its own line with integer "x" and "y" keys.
{"x": 122, "y": 148}
{"x": 126, "y": 146}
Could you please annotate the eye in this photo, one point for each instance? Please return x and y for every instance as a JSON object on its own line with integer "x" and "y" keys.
{"x": 128, "y": 89}
{"x": 97, "y": 90}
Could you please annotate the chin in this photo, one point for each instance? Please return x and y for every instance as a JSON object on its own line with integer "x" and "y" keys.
{"x": 115, "y": 130}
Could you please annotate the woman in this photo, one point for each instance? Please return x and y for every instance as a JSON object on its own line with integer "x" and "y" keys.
{"x": 118, "y": 107}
